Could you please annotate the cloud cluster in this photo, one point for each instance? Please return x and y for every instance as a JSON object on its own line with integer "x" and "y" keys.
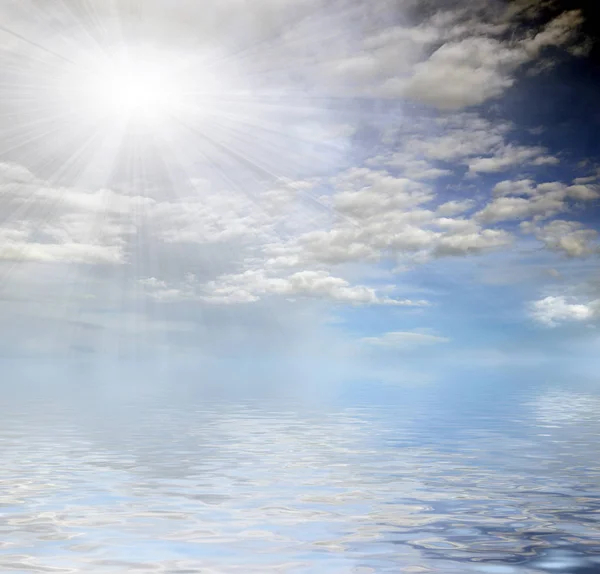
{"x": 283, "y": 244}
{"x": 454, "y": 59}
{"x": 434, "y": 148}
{"x": 47, "y": 223}
{"x": 469, "y": 70}
{"x": 523, "y": 199}
{"x": 249, "y": 286}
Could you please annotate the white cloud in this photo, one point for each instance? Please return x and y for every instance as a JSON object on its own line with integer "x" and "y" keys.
{"x": 471, "y": 70}
{"x": 363, "y": 192}
{"x": 454, "y": 207}
{"x": 315, "y": 284}
{"x": 584, "y": 180}
{"x": 583, "y": 192}
{"x": 61, "y": 253}
{"x": 554, "y": 310}
{"x": 510, "y": 156}
{"x": 48, "y": 223}
{"x": 464, "y": 73}
{"x": 515, "y": 208}
{"x": 569, "y": 237}
{"x": 409, "y": 166}
{"x": 515, "y": 188}
{"x": 251, "y": 285}
{"x": 454, "y": 59}
{"x": 210, "y": 217}
{"x": 462, "y": 136}
{"x": 558, "y": 32}
{"x": 388, "y": 217}
{"x": 470, "y": 140}
{"x": 475, "y": 241}
{"x": 541, "y": 202}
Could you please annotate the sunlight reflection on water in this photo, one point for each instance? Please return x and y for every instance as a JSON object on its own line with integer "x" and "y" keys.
{"x": 259, "y": 487}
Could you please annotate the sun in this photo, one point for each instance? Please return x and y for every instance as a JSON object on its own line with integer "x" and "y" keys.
{"x": 128, "y": 86}
{"x": 134, "y": 90}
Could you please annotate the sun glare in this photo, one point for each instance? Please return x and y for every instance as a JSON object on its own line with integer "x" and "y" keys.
{"x": 129, "y": 87}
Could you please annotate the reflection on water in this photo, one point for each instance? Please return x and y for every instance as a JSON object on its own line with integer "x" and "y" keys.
{"x": 262, "y": 487}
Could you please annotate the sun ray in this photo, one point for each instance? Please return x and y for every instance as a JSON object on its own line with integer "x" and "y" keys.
{"x": 95, "y": 104}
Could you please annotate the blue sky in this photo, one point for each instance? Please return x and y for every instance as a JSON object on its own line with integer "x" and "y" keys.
{"x": 281, "y": 191}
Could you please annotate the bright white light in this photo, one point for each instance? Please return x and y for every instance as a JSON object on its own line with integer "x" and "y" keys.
{"x": 129, "y": 86}
{"x": 131, "y": 91}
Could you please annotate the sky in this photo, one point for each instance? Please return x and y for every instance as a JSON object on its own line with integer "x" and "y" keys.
{"x": 299, "y": 192}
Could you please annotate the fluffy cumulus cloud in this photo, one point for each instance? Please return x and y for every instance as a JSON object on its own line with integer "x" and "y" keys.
{"x": 478, "y": 62}
{"x": 293, "y": 239}
{"x": 511, "y": 156}
{"x": 249, "y": 286}
{"x": 379, "y": 215}
{"x": 521, "y": 200}
{"x": 464, "y": 73}
{"x": 554, "y": 310}
{"x": 48, "y": 223}
{"x": 454, "y": 59}
{"x": 568, "y": 237}
{"x": 430, "y": 147}
{"x": 375, "y": 217}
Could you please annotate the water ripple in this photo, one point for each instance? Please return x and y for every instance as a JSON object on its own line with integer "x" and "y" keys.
{"x": 244, "y": 487}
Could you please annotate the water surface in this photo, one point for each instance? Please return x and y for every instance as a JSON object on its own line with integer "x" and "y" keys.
{"x": 423, "y": 481}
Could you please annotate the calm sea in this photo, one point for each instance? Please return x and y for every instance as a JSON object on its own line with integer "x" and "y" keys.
{"x": 427, "y": 479}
